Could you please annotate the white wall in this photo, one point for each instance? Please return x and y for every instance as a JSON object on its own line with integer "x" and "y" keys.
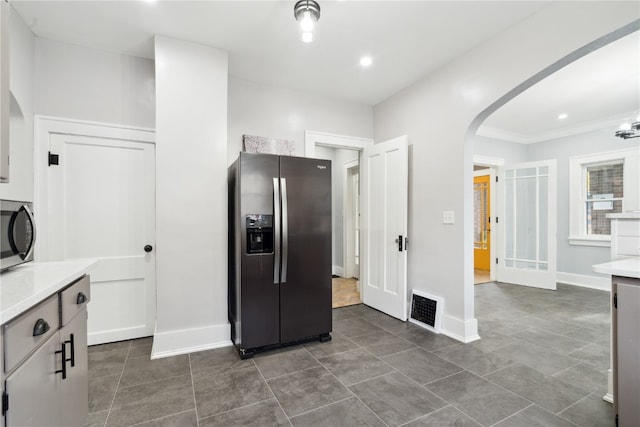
{"x": 22, "y": 69}
{"x": 191, "y": 197}
{"x": 437, "y": 112}
{"x": 94, "y": 85}
{"x": 257, "y": 109}
{"x": 571, "y": 258}
{"x": 511, "y": 152}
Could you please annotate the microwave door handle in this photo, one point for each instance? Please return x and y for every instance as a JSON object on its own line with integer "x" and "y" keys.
{"x": 33, "y": 231}
{"x": 276, "y": 226}
{"x": 285, "y": 229}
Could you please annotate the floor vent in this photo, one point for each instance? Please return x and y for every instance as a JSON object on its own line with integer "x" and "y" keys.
{"x": 426, "y": 311}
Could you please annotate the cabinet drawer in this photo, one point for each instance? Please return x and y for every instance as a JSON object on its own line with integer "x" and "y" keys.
{"x": 628, "y": 227}
{"x": 26, "y": 332}
{"x": 74, "y": 298}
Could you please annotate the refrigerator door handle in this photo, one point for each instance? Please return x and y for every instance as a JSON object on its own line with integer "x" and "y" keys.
{"x": 285, "y": 229}
{"x": 276, "y": 225}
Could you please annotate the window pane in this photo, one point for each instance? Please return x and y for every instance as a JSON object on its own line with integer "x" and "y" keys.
{"x": 509, "y": 220}
{"x": 526, "y": 219}
{"x": 604, "y": 181}
{"x": 597, "y": 221}
{"x": 543, "y": 183}
{"x": 525, "y": 172}
{"x": 480, "y": 208}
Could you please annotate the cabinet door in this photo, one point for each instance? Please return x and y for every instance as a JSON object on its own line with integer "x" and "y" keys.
{"x": 33, "y": 388}
{"x": 74, "y": 390}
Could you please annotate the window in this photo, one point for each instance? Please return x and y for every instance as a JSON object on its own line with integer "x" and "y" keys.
{"x": 601, "y": 184}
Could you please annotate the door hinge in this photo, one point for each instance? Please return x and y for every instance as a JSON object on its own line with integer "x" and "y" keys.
{"x": 53, "y": 159}
{"x": 615, "y": 300}
{"x": 5, "y": 402}
{"x": 496, "y": 220}
{"x": 496, "y": 260}
{"x": 496, "y": 178}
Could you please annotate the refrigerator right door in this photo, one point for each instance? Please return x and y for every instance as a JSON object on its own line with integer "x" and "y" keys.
{"x": 305, "y": 289}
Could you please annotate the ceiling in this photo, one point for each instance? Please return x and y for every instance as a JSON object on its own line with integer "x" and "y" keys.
{"x": 406, "y": 39}
{"x": 599, "y": 90}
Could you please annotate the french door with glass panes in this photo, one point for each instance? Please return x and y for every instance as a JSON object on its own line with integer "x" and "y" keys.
{"x": 527, "y": 224}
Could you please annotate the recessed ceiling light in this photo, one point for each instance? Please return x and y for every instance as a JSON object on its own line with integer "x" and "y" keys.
{"x": 562, "y": 116}
{"x": 307, "y": 37}
{"x": 365, "y": 61}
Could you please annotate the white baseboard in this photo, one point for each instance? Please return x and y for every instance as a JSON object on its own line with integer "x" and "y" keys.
{"x": 460, "y": 330}
{"x": 173, "y": 343}
{"x": 114, "y": 335}
{"x": 337, "y": 270}
{"x": 582, "y": 280}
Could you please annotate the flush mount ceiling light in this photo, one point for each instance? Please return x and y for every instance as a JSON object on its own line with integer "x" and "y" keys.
{"x": 365, "y": 61}
{"x": 562, "y": 116}
{"x": 307, "y": 13}
{"x": 629, "y": 131}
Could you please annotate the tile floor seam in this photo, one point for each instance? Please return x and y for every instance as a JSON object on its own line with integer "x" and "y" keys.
{"x": 115, "y": 393}
{"x": 193, "y": 390}
{"x": 292, "y": 373}
{"x": 513, "y": 415}
{"x": 248, "y": 405}
{"x": 273, "y": 394}
{"x": 573, "y": 404}
{"x": 579, "y": 362}
{"x": 159, "y": 418}
{"x": 155, "y": 381}
{"x": 354, "y": 395}
{"x": 323, "y": 406}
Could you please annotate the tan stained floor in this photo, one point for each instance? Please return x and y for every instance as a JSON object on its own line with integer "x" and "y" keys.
{"x": 345, "y": 292}
{"x": 481, "y": 276}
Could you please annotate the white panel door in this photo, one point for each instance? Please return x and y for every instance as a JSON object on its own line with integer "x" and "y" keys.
{"x": 527, "y": 224}
{"x": 384, "y": 170}
{"x": 102, "y": 205}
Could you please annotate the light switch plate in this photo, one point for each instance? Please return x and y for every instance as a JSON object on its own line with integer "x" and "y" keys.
{"x": 448, "y": 217}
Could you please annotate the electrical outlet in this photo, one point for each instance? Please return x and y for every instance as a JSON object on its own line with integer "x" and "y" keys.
{"x": 448, "y": 217}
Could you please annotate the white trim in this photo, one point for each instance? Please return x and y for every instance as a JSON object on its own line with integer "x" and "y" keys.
{"x": 487, "y": 161}
{"x": 584, "y": 281}
{"x": 590, "y": 241}
{"x": 173, "y": 343}
{"x": 44, "y": 126}
{"x": 347, "y": 222}
{"x": 337, "y": 270}
{"x": 313, "y": 138}
{"x": 460, "y": 330}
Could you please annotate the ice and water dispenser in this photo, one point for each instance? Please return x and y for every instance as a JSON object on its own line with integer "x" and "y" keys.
{"x": 259, "y": 234}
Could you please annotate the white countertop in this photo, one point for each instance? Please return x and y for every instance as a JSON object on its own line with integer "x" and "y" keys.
{"x": 629, "y": 267}
{"x": 26, "y": 285}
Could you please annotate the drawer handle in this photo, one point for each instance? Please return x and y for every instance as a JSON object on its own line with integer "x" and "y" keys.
{"x": 41, "y": 327}
{"x": 82, "y": 298}
{"x": 63, "y": 371}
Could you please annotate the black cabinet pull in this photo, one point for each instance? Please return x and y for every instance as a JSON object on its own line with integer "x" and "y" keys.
{"x": 81, "y": 299}
{"x": 72, "y": 359}
{"x": 40, "y": 327}
{"x": 63, "y": 350}
{"x": 399, "y": 242}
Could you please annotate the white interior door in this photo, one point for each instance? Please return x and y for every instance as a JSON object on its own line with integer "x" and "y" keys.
{"x": 102, "y": 205}
{"x": 527, "y": 222}
{"x": 384, "y": 171}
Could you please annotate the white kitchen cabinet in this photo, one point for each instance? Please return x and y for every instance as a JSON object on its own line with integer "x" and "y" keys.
{"x": 46, "y": 367}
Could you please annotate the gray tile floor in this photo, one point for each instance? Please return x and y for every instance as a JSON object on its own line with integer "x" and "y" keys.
{"x": 542, "y": 361}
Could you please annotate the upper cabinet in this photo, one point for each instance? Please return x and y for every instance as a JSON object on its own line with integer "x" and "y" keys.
{"x": 4, "y": 91}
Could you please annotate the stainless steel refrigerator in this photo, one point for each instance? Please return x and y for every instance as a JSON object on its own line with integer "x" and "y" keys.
{"x": 279, "y": 251}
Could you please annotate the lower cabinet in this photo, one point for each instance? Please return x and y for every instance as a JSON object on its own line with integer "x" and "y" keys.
{"x": 46, "y": 367}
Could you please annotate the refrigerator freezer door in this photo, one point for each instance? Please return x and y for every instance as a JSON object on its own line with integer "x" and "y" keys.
{"x": 305, "y": 298}
{"x": 258, "y": 295}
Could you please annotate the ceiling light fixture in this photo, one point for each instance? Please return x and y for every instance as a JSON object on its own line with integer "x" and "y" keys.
{"x": 629, "y": 131}
{"x": 307, "y": 13}
{"x": 365, "y": 61}
{"x": 562, "y": 116}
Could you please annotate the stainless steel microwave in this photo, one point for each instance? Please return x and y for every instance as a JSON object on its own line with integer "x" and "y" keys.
{"x": 18, "y": 233}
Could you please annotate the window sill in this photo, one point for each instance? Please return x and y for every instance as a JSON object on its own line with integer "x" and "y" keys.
{"x": 603, "y": 242}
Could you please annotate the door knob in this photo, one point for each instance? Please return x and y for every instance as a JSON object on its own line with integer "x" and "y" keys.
{"x": 148, "y": 248}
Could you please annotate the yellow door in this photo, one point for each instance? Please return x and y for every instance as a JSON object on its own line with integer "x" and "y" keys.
{"x": 481, "y": 224}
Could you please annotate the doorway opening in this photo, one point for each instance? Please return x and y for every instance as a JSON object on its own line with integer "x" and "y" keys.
{"x": 481, "y": 224}
{"x": 344, "y": 153}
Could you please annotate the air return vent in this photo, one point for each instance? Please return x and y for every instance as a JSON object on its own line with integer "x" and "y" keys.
{"x": 426, "y": 311}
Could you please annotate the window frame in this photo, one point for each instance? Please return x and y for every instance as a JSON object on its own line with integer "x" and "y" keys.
{"x": 630, "y": 158}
